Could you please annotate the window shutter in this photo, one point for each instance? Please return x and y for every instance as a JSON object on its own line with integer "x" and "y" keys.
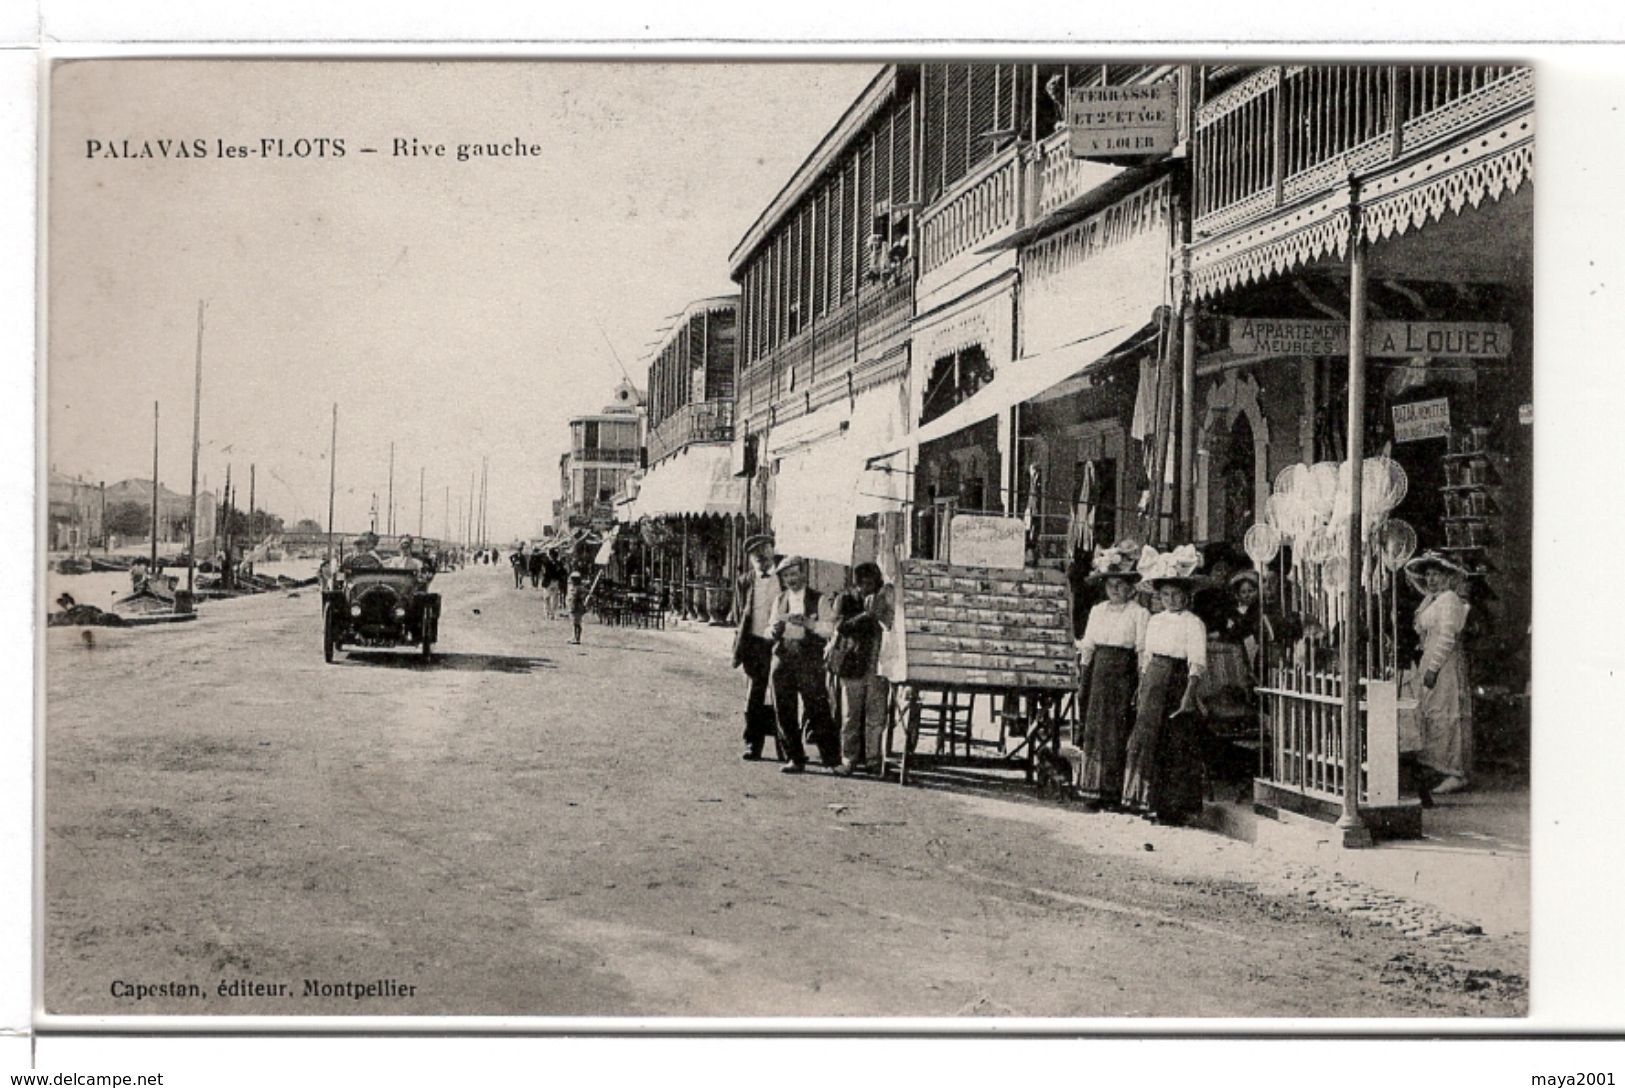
{"x": 931, "y": 152}
{"x": 955, "y": 103}
{"x": 979, "y": 95}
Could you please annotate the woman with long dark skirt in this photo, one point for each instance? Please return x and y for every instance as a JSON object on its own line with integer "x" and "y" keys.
{"x": 1163, "y": 773}
{"x": 1108, "y": 656}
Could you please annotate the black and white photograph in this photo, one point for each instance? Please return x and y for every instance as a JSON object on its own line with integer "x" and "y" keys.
{"x": 941, "y": 538}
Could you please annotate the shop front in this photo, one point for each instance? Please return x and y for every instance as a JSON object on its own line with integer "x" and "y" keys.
{"x": 1385, "y": 321}
{"x": 690, "y": 513}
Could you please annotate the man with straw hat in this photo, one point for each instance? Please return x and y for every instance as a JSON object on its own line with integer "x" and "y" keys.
{"x": 756, "y": 591}
{"x": 1444, "y": 709}
{"x": 800, "y": 690}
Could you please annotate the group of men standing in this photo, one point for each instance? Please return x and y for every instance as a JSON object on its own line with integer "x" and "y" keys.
{"x": 792, "y": 645}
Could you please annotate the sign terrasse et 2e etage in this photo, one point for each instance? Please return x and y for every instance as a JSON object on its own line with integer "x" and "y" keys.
{"x": 1384, "y": 339}
{"x": 1121, "y": 122}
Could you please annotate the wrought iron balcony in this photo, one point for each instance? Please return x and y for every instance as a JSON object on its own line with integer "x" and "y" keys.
{"x": 1286, "y": 133}
{"x": 702, "y": 421}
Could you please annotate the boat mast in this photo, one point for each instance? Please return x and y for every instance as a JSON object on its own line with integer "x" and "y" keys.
{"x": 253, "y": 537}
{"x": 197, "y": 405}
{"x": 152, "y": 563}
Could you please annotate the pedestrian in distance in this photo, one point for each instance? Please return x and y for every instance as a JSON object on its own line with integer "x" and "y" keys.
{"x": 576, "y": 603}
{"x": 520, "y": 566}
{"x": 535, "y": 563}
{"x": 756, "y": 591}
{"x": 863, "y": 622}
{"x": 552, "y": 585}
{"x": 800, "y": 693}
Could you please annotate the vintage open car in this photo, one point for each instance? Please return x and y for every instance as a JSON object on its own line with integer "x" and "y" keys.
{"x": 371, "y": 603}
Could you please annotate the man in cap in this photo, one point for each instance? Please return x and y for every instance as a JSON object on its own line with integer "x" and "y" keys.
{"x": 366, "y": 550}
{"x": 800, "y": 689}
{"x": 757, "y": 589}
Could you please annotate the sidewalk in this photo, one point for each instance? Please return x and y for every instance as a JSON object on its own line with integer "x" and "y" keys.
{"x": 1472, "y": 861}
{"x": 1472, "y": 865}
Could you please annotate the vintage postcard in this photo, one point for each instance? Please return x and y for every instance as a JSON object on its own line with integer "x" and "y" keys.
{"x": 957, "y": 539}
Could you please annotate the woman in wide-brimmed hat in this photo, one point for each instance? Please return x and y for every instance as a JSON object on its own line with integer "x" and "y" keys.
{"x": 1444, "y": 709}
{"x": 1163, "y": 766}
{"x": 1109, "y": 659}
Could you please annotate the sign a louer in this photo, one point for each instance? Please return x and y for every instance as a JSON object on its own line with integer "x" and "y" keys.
{"x": 1384, "y": 339}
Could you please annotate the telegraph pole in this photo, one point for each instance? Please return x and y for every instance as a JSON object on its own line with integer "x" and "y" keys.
{"x": 197, "y": 406}
{"x": 332, "y": 479}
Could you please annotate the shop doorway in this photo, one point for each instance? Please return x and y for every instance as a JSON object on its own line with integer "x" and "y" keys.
{"x": 1232, "y": 460}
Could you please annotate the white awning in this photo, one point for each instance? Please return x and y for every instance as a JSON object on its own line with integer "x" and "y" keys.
{"x": 1026, "y": 378}
{"x": 822, "y": 488}
{"x": 607, "y": 549}
{"x": 699, "y": 480}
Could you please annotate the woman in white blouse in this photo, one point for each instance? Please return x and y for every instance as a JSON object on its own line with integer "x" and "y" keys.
{"x": 1444, "y": 709}
{"x": 1109, "y": 660}
{"x": 1163, "y": 772}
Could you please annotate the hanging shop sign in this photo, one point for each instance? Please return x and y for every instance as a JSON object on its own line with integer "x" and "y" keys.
{"x": 975, "y": 540}
{"x": 1119, "y": 122}
{"x": 1384, "y": 339}
{"x": 1422, "y": 419}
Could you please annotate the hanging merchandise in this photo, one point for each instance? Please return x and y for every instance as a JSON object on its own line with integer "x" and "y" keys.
{"x": 1262, "y": 543}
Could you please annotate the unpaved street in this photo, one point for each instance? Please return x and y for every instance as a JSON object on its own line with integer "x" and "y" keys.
{"x": 528, "y": 827}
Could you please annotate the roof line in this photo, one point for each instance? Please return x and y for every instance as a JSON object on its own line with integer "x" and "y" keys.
{"x": 868, "y": 102}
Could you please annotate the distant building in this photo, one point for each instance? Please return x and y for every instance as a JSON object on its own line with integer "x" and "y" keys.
{"x": 174, "y": 509}
{"x": 74, "y": 513}
{"x": 605, "y": 448}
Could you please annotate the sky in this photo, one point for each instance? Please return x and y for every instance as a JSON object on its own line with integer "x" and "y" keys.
{"x": 452, "y": 308}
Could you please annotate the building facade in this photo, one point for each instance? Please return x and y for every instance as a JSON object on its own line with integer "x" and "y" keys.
{"x": 689, "y": 505}
{"x": 605, "y": 448}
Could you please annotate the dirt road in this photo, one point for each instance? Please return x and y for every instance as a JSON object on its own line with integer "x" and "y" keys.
{"x": 532, "y": 828}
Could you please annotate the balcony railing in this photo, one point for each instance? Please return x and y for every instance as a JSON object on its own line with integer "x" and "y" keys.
{"x": 1284, "y": 133}
{"x": 604, "y": 455}
{"x": 702, "y": 421}
{"x": 795, "y": 374}
{"x": 978, "y": 208}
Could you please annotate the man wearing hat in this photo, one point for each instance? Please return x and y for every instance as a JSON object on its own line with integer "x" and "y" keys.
{"x": 800, "y": 635}
{"x": 366, "y": 550}
{"x": 756, "y": 591}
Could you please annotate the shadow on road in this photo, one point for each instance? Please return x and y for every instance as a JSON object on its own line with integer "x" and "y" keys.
{"x": 452, "y": 662}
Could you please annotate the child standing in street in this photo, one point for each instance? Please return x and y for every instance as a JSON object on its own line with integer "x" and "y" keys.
{"x": 576, "y": 601}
